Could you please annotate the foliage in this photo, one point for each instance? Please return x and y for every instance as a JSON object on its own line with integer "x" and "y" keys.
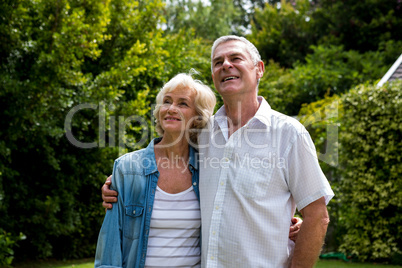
{"x": 358, "y": 25}
{"x": 278, "y": 87}
{"x": 323, "y": 120}
{"x": 332, "y": 70}
{"x": 371, "y": 184}
{"x": 209, "y": 21}
{"x": 108, "y": 58}
{"x": 7, "y": 242}
{"x": 328, "y": 70}
{"x": 286, "y": 31}
{"x": 283, "y": 34}
{"x": 367, "y": 177}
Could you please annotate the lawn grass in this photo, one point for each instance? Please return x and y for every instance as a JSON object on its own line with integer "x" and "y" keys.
{"x": 83, "y": 263}
{"x": 89, "y": 263}
{"x": 343, "y": 264}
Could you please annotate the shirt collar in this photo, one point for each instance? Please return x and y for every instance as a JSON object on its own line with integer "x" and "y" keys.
{"x": 263, "y": 112}
{"x": 149, "y": 154}
{"x": 262, "y": 115}
{"x": 193, "y": 158}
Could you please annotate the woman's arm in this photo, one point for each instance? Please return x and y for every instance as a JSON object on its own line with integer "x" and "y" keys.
{"x": 295, "y": 228}
{"x": 109, "y": 246}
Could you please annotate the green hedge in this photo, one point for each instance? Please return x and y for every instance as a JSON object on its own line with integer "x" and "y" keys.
{"x": 371, "y": 182}
{"x": 359, "y": 142}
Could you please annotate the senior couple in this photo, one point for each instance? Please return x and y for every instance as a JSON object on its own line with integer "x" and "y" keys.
{"x": 236, "y": 178}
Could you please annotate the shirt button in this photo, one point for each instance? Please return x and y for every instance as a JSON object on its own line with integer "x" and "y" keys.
{"x": 134, "y": 212}
{"x": 194, "y": 183}
{"x": 212, "y": 257}
{"x": 213, "y": 232}
{"x": 222, "y": 183}
{"x": 217, "y": 207}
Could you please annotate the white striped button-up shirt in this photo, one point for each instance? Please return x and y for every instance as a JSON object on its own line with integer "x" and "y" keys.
{"x": 250, "y": 185}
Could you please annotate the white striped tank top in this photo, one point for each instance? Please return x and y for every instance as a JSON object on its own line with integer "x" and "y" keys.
{"x": 174, "y": 236}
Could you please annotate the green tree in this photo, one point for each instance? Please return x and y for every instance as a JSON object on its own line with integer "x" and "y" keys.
{"x": 328, "y": 70}
{"x": 108, "y": 56}
{"x": 209, "y": 21}
{"x": 283, "y": 32}
{"x": 358, "y": 25}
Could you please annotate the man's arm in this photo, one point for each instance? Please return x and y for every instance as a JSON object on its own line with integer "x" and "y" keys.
{"x": 312, "y": 233}
{"x": 108, "y": 196}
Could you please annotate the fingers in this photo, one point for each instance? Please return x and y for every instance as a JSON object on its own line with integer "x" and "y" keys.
{"x": 107, "y": 205}
{"x": 108, "y": 196}
{"x": 297, "y": 222}
{"x": 106, "y": 189}
{"x": 293, "y": 232}
{"x": 295, "y": 228}
{"x": 107, "y": 192}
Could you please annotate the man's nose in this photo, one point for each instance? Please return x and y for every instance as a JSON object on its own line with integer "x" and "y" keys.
{"x": 226, "y": 64}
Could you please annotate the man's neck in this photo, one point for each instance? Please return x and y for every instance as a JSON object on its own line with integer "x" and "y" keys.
{"x": 239, "y": 112}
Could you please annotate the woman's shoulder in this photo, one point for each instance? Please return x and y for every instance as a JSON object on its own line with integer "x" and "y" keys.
{"x": 132, "y": 161}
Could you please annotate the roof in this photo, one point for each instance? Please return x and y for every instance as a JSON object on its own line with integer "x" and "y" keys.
{"x": 395, "y": 72}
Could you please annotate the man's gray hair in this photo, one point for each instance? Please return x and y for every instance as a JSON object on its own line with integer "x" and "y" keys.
{"x": 251, "y": 49}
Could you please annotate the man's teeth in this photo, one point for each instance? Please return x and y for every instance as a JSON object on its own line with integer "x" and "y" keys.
{"x": 229, "y": 78}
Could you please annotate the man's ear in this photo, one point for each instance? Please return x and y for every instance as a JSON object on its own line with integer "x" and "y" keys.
{"x": 260, "y": 69}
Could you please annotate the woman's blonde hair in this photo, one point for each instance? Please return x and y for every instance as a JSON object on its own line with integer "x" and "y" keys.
{"x": 205, "y": 101}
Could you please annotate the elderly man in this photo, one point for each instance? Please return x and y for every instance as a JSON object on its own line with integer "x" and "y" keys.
{"x": 267, "y": 168}
{"x": 256, "y": 166}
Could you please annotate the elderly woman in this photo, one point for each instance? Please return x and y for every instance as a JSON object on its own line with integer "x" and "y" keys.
{"x": 157, "y": 216}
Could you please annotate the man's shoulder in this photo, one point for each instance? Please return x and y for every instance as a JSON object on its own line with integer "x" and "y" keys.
{"x": 286, "y": 122}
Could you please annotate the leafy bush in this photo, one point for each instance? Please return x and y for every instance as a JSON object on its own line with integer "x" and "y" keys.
{"x": 323, "y": 121}
{"x": 7, "y": 242}
{"x": 371, "y": 182}
{"x": 111, "y": 55}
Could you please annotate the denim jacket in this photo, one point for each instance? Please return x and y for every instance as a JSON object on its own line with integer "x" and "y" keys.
{"x": 123, "y": 238}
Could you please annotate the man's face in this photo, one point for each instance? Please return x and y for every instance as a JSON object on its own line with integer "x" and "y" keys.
{"x": 233, "y": 70}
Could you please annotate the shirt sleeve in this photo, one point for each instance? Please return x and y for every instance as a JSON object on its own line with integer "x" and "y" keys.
{"x": 307, "y": 182}
{"x": 109, "y": 246}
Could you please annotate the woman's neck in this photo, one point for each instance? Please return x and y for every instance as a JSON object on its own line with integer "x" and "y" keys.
{"x": 172, "y": 148}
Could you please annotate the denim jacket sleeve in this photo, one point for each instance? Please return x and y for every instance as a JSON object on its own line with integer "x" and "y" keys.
{"x": 109, "y": 247}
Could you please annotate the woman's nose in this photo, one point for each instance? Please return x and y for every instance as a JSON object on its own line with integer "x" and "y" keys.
{"x": 172, "y": 109}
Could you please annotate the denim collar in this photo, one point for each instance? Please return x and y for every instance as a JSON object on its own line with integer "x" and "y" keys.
{"x": 150, "y": 154}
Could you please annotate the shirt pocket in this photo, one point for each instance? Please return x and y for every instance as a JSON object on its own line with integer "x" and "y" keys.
{"x": 133, "y": 218}
{"x": 253, "y": 179}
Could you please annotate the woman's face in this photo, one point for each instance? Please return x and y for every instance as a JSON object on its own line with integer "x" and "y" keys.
{"x": 178, "y": 112}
